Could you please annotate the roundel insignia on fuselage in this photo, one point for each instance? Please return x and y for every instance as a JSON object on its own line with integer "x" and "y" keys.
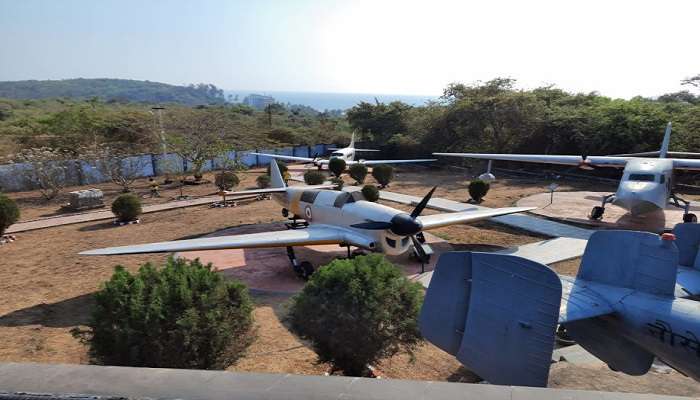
{"x": 307, "y": 213}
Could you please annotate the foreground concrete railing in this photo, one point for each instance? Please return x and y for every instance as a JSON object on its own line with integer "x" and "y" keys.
{"x": 157, "y": 383}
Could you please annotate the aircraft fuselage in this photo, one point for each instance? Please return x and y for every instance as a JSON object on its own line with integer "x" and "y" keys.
{"x": 340, "y": 210}
{"x": 645, "y": 185}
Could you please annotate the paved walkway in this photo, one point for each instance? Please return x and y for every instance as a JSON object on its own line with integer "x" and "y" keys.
{"x": 107, "y": 214}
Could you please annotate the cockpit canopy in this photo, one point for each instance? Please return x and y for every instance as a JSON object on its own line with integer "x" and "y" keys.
{"x": 647, "y": 178}
{"x": 336, "y": 154}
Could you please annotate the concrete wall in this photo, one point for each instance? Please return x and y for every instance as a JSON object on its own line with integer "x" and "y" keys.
{"x": 79, "y": 172}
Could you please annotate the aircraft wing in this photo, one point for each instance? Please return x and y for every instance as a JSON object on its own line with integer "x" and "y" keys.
{"x": 337, "y": 148}
{"x": 375, "y": 162}
{"x": 462, "y": 217}
{"x": 293, "y": 237}
{"x": 686, "y": 164}
{"x": 275, "y": 190}
{"x": 597, "y": 161}
{"x": 282, "y": 157}
{"x": 579, "y": 302}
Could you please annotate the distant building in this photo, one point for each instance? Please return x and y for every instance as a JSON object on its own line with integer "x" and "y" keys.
{"x": 258, "y": 101}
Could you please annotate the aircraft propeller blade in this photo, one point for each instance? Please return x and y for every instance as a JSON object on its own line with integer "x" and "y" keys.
{"x": 419, "y": 248}
{"x": 373, "y": 225}
{"x": 423, "y": 203}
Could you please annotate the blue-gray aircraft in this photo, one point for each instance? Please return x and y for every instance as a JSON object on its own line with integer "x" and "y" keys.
{"x": 646, "y": 184}
{"x": 498, "y": 313}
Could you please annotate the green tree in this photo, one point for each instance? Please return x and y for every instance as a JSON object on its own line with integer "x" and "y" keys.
{"x": 336, "y": 166}
{"x": 358, "y": 311}
{"x": 383, "y": 174}
{"x": 312, "y": 177}
{"x": 380, "y": 120}
{"x": 9, "y": 213}
{"x": 226, "y": 180}
{"x": 183, "y": 315}
{"x": 358, "y": 172}
{"x": 370, "y": 193}
{"x": 478, "y": 189}
{"x": 127, "y": 207}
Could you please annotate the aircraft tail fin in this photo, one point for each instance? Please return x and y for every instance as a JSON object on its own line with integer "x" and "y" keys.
{"x": 667, "y": 139}
{"x": 496, "y": 313}
{"x": 688, "y": 243}
{"x": 635, "y": 260}
{"x": 352, "y": 141}
{"x": 276, "y": 179}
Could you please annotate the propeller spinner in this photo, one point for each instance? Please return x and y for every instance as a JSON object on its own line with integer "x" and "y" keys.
{"x": 401, "y": 224}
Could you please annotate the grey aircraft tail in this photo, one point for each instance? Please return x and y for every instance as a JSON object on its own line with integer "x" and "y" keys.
{"x": 498, "y": 313}
{"x": 667, "y": 140}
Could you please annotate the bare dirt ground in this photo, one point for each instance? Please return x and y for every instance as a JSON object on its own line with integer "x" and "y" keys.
{"x": 46, "y": 288}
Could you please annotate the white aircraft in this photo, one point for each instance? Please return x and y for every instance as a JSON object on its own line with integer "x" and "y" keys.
{"x": 331, "y": 217}
{"x": 346, "y": 153}
{"x": 646, "y": 184}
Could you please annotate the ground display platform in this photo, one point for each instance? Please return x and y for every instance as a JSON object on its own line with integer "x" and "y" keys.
{"x": 269, "y": 269}
{"x": 574, "y": 207}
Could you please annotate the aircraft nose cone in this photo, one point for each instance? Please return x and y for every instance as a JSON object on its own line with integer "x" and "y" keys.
{"x": 404, "y": 225}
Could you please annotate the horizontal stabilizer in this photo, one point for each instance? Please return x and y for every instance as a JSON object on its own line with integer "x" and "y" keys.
{"x": 640, "y": 261}
{"x": 496, "y": 313}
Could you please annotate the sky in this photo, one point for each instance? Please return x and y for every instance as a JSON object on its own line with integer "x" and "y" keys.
{"x": 619, "y": 48}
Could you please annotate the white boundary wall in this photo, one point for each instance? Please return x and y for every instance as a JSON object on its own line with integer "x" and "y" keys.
{"x": 80, "y": 172}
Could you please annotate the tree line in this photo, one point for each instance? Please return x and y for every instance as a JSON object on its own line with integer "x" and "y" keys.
{"x": 495, "y": 116}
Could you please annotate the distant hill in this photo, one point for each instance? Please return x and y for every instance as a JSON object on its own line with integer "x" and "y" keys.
{"x": 113, "y": 90}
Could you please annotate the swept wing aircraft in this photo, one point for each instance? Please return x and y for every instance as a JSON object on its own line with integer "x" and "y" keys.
{"x": 498, "y": 313}
{"x": 346, "y": 153}
{"x": 646, "y": 184}
{"x": 330, "y": 217}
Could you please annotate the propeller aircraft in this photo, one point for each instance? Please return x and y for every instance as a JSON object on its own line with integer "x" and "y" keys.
{"x": 498, "y": 313}
{"x": 346, "y": 154}
{"x": 646, "y": 185}
{"x": 330, "y": 217}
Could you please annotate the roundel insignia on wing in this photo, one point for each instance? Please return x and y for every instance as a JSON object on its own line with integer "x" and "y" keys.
{"x": 307, "y": 213}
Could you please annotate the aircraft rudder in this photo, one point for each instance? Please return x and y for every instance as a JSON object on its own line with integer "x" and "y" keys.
{"x": 667, "y": 140}
{"x": 276, "y": 179}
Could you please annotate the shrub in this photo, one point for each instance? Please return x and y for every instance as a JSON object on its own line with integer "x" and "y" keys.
{"x": 358, "y": 172}
{"x": 284, "y": 170}
{"x": 126, "y": 207}
{"x": 357, "y": 311}
{"x": 312, "y": 177}
{"x": 370, "y": 193}
{"x": 478, "y": 189}
{"x": 263, "y": 181}
{"x": 226, "y": 180}
{"x": 336, "y": 166}
{"x": 183, "y": 315}
{"x": 9, "y": 213}
{"x": 338, "y": 182}
{"x": 383, "y": 174}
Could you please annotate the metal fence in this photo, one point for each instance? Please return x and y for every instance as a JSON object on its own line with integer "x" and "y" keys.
{"x": 81, "y": 172}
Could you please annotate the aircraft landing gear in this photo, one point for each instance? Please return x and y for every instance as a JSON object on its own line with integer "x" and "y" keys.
{"x": 303, "y": 269}
{"x": 598, "y": 211}
{"x": 688, "y": 217}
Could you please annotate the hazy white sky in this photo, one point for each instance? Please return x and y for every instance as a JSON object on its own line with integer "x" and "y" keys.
{"x": 620, "y": 48}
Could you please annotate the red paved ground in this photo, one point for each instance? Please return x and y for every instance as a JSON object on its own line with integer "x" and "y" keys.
{"x": 270, "y": 269}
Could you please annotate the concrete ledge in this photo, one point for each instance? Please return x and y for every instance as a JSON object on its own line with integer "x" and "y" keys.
{"x": 60, "y": 379}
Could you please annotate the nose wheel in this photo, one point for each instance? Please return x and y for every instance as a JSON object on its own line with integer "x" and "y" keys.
{"x": 598, "y": 211}
{"x": 688, "y": 217}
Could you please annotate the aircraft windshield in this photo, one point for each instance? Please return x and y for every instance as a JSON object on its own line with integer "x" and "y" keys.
{"x": 642, "y": 177}
{"x": 336, "y": 154}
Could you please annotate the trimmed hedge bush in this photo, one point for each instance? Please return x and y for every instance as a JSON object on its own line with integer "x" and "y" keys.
{"x": 336, "y": 166}
{"x": 9, "y": 213}
{"x": 358, "y": 311}
{"x": 358, "y": 172}
{"x": 478, "y": 189}
{"x": 370, "y": 193}
{"x": 312, "y": 177}
{"x": 263, "y": 181}
{"x": 183, "y": 315}
{"x": 127, "y": 207}
{"x": 383, "y": 173}
{"x": 226, "y": 180}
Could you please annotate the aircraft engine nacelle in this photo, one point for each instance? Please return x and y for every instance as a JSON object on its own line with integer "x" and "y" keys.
{"x": 394, "y": 245}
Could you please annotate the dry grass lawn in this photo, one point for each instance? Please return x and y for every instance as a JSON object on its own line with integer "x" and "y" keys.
{"x": 46, "y": 288}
